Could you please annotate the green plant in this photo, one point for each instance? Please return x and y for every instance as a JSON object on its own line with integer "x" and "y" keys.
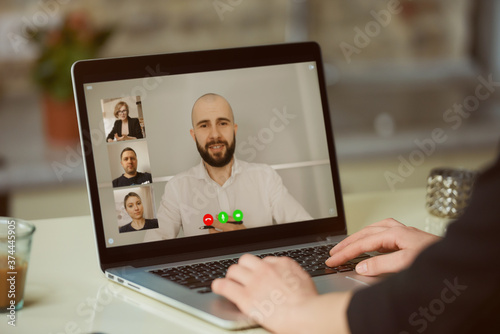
{"x": 75, "y": 39}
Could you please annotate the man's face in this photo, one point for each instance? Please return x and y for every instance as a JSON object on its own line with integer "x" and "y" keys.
{"x": 129, "y": 163}
{"x": 214, "y": 131}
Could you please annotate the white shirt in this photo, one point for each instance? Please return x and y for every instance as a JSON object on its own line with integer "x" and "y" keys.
{"x": 255, "y": 189}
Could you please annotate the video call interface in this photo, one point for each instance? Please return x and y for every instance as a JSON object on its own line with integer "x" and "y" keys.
{"x": 157, "y": 171}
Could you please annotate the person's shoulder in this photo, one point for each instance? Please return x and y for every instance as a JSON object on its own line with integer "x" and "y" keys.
{"x": 126, "y": 228}
{"x": 151, "y": 223}
{"x": 261, "y": 173}
{"x": 193, "y": 173}
{"x": 245, "y": 166}
{"x": 118, "y": 182}
{"x": 144, "y": 175}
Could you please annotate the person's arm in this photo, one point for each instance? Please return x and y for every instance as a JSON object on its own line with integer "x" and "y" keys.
{"x": 114, "y": 132}
{"x": 135, "y": 131}
{"x": 452, "y": 286}
{"x": 252, "y": 281}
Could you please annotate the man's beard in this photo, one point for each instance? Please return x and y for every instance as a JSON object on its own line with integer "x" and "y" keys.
{"x": 217, "y": 161}
{"x": 131, "y": 171}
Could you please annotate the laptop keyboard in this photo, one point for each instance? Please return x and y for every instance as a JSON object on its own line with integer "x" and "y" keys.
{"x": 200, "y": 275}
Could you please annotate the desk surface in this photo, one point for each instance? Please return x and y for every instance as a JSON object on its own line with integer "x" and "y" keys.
{"x": 67, "y": 293}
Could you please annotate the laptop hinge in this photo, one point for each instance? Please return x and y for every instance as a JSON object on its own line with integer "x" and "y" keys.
{"x": 218, "y": 252}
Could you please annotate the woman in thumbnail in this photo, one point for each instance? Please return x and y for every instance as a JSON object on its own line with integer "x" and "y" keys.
{"x": 125, "y": 127}
{"x": 133, "y": 205}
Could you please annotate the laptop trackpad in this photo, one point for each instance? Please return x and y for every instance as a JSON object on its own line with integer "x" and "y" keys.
{"x": 345, "y": 282}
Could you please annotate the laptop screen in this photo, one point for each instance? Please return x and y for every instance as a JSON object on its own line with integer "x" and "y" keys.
{"x": 179, "y": 155}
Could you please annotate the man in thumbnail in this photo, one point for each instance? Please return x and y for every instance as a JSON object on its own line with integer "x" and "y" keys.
{"x": 131, "y": 177}
{"x": 221, "y": 183}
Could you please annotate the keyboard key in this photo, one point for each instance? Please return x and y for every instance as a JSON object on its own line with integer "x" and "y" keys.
{"x": 199, "y": 285}
{"x": 205, "y": 290}
{"x": 321, "y": 272}
{"x": 343, "y": 268}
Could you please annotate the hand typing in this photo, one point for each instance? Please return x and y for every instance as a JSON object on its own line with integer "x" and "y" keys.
{"x": 401, "y": 243}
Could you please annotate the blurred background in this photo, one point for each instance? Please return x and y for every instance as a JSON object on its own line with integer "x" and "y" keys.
{"x": 402, "y": 76}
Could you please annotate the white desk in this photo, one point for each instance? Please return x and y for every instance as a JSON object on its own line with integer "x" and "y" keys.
{"x": 67, "y": 293}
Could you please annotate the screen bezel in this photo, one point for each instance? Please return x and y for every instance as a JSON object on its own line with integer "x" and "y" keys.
{"x": 101, "y": 70}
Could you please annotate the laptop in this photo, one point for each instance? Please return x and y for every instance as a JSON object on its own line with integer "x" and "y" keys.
{"x": 161, "y": 222}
